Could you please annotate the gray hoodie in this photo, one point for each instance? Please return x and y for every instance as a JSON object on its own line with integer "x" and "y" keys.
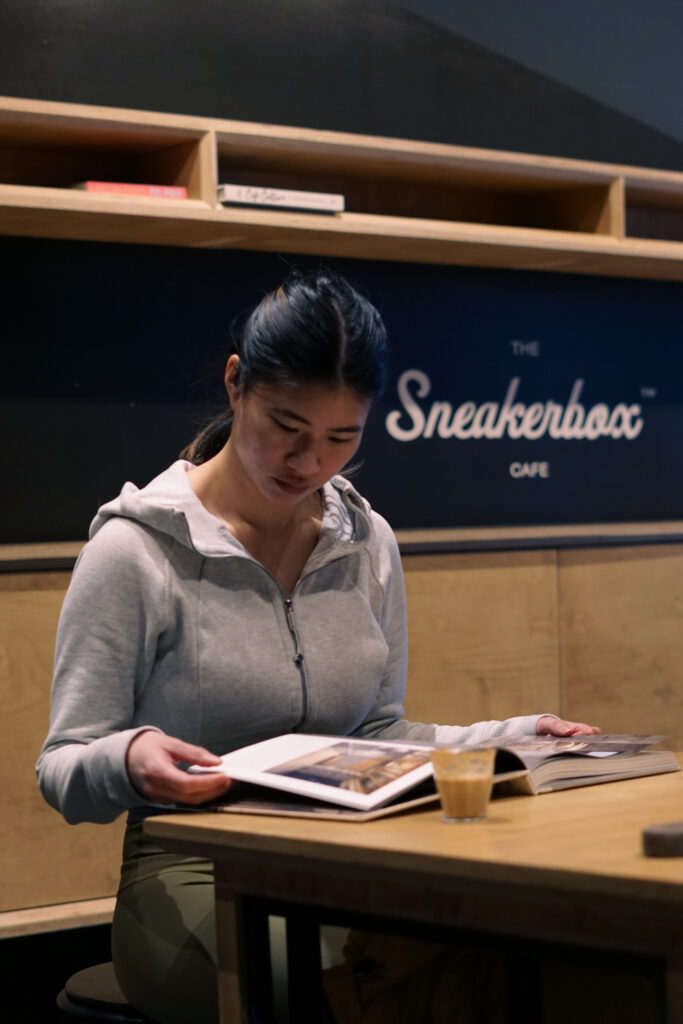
{"x": 169, "y": 622}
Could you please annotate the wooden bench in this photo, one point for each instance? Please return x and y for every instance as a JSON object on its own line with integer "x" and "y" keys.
{"x": 594, "y": 633}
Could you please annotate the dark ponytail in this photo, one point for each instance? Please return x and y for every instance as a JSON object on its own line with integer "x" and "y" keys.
{"x": 315, "y": 328}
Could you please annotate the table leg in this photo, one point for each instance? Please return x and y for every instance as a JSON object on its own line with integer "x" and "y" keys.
{"x": 227, "y": 944}
{"x": 674, "y": 990}
{"x": 245, "y": 991}
{"x": 304, "y": 967}
{"x": 255, "y": 975}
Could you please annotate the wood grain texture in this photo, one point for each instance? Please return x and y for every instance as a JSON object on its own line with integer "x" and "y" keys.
{"x": 491, "y": 635}
{"x": 25, "y": 555}
{"x": 579, "y": 840}
{"x": 483, "y": 636}
{"x": 45, "y": 860}
{"x": 621, "y": 638}
{"x": 585, "y": 533}
{"x": 37, "y": 556}
{"x": 59, "y": 213}
{"x": 227, "y": 951}
{"x": 270, "y": 145}
{"x": 56, "y": 917}
{"x": 450, "y": 205}
{"x": 614, "y": 215}
{"x": 565, "y": 867}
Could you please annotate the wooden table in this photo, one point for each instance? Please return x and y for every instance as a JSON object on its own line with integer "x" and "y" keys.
{"x": 563, "y": 867}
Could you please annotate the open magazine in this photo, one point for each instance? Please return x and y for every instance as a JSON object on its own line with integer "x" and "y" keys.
{"x": 338, "y": 777}
{"x": 553, "y": 763}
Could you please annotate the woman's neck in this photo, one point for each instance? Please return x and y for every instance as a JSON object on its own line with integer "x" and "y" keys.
{"x": 281, "y": 538}
{"x": 228, "y": 493}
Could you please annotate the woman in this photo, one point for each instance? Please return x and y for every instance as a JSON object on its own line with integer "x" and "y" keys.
{"x": 247, "y": 591}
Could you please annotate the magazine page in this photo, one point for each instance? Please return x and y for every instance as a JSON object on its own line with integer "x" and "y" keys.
{"x": 603, "y": 744}
{"x": 534, "y": 750}
{"x": 352, "y": 773}
{"x": 530, "y": 752}
{"x": 246, "y": 798}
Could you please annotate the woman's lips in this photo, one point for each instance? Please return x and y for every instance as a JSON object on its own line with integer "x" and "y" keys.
{"x": 292, "y": 486}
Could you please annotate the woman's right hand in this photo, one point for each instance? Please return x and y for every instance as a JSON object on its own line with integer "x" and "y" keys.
{"x": 152, "y": 764}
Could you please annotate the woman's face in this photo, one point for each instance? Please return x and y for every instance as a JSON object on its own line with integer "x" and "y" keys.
{"x": 291, "y": 440}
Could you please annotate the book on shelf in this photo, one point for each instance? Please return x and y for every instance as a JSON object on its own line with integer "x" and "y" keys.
{"x": 280, "y": 198}
{"x": 127, "y": 188}
{"x": 344, "y": 778}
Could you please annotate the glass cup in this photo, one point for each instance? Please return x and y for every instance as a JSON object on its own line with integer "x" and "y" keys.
{"x": 464, "y": 778}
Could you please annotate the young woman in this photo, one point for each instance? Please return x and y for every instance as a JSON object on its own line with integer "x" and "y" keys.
{"x": 246, "y": 592}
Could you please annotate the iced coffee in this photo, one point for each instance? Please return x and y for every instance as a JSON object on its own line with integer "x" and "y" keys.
{"x": 463, "y": 779}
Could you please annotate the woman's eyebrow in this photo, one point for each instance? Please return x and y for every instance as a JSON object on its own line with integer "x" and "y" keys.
{"x": 290, "y": 414}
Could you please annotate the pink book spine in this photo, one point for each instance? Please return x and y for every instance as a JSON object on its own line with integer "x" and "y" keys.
{"x": 127, "y": 188}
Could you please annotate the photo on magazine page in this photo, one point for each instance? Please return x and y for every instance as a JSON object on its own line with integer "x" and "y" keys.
{"x": 346, "y": 765}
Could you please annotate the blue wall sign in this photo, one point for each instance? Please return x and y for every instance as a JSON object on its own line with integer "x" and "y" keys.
{"x": 520, "y": 398}
{"x": 514, "y": 397}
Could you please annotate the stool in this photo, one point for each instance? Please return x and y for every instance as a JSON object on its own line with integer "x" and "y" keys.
{"x": 94, "y": 994}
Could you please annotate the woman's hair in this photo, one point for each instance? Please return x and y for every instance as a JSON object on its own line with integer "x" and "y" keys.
{"x": 315, "y": 328}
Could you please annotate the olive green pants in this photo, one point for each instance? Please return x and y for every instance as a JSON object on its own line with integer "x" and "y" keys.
{"x": 163, "y": 935}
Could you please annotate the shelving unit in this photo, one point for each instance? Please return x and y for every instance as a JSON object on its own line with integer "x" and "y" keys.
{"x": 407, "y": 201}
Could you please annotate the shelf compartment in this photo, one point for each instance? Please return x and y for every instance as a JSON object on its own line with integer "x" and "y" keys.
{"x": 453, "y": 185}
{"x": 654, "y": 216}
{"x": 654, "y": 205}
{"x": 61, "y": 152}
{"x": 584, "y": 209}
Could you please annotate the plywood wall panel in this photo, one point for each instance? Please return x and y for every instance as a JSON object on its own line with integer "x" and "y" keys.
{"x": 591, "y": 634}
{"x": 483, "y": 635}
{"x": 621, "y": 638}
{"x": 42, "y": 859}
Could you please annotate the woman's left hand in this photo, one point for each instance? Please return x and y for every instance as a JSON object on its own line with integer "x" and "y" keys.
{"x": 548, "y": 725}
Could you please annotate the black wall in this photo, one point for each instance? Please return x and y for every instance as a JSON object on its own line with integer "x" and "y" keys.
{"x": 354, "y": 65}
{"x": 103, "y": 345}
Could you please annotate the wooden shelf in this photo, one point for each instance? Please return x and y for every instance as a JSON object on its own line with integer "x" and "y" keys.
{"x": 62, "y": 555}
{"x": 57, "y": 917}
{"x": 406, "y": 201}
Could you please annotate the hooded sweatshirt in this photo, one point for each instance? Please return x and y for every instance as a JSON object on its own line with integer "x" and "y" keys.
{"x": 170, "y": 623}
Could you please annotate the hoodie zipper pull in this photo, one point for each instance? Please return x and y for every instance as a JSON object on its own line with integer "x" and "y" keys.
{"x": 299, "y": 662}
{"x": 298, "y": 655}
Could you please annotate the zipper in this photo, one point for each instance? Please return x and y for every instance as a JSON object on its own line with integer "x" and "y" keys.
{"x": 298, "y": 659}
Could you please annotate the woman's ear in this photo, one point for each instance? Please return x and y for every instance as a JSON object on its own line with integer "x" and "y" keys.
{"x": 232, "y": 373}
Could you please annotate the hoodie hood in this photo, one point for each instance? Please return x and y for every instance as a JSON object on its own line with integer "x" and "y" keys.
{"x": 169, "y": 505}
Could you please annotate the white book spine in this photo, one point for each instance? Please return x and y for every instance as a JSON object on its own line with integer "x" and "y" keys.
{"x": 285, "y": 198}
